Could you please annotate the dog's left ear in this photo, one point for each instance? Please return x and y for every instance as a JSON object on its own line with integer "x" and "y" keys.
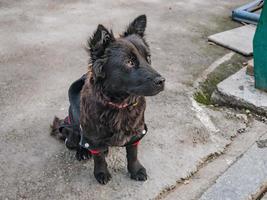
{"x": 138, "y": 26}
{"x": 98, "y": 43}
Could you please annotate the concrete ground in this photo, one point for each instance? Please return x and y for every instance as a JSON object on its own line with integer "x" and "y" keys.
{"x": 41, "y": 53}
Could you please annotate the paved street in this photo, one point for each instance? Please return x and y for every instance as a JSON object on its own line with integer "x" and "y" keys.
{"x": 42, "y": 53}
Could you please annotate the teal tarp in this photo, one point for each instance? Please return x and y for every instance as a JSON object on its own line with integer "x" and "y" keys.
{"x": 260, "y": 51}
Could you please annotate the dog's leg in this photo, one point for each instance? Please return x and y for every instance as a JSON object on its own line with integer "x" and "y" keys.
{"x": 137, "y": 171}
{"x": 82, "y": 153}
{"x": 101, "y": 172}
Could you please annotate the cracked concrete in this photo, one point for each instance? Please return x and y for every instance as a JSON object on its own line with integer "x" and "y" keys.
{"x": 41, "y": 53}
{"x": 211, "y": 170}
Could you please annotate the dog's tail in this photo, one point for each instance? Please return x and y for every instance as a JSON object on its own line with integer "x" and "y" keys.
{"x": 57, "y": 123}
{"x": 61, "y": 130}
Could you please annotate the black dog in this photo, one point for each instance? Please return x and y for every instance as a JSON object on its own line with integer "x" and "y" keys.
{"x": 111, "y": 98}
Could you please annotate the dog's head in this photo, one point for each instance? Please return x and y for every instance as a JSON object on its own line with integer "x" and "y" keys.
{"x": 123, "y": 65}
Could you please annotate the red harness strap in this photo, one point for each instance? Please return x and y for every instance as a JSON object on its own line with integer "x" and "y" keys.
{"x": 119, "y": 106}
{"x": 94, "y": 152}
{"x": 122, "y": 105}
{"x": 67, "y": 120}
{"x": 136, "y": 143}
{"x": 135, "y": 140}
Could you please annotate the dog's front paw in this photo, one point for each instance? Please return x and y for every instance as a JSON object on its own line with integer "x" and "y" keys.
{"x": 103, "y": 177}
{"x": 137, "y": 171}
{"x": 139, "y": 175}
{"x": 82, "y": 154}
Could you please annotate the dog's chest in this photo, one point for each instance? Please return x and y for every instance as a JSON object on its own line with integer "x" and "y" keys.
{"x": 120, "y": 139}
{"x": 122, "y": 125}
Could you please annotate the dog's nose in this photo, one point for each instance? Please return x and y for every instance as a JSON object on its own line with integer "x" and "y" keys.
{"x": 159, "y": 81}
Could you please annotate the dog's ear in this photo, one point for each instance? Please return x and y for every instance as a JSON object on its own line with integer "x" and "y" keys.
{"x": 97, "y": 69}
{"x": 99, "y": 42}
{"x": 138, "y": 26}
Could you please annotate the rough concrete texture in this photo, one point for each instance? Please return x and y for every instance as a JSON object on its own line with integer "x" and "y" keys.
{"x": 264, "y": 197}
{"x": 209, "y": 172}
{"x": 238, "y": 39}
{"x": 41, "y": 53}
{"x": 242, "y": 179}
{"x": 239, "y": 90}
{"x": 250, "y": 67}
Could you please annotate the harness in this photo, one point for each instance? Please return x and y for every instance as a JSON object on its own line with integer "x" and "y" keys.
{"x": 134, "y": 141}
{"x": 72, "y": 121}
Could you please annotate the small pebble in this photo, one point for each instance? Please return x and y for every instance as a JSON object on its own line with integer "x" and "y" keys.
{"x": 211, "y": 43}
{"x": 241, "y": 130}
{"x": 186, "y": 182}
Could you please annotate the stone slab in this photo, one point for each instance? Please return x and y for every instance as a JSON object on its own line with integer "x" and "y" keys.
{"x": 242, "y": 179}
{"x": 238, "y": 90}
{"x": 238, "y": 39}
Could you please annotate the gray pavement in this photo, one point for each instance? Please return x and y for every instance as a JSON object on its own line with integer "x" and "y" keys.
{"x": 41, "y": 53}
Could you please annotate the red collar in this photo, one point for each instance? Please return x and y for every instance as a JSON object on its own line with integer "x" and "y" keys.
{"x": 121, "y": 105}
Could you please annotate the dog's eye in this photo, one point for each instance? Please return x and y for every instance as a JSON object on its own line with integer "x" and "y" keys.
{"x": 130, "y": 63}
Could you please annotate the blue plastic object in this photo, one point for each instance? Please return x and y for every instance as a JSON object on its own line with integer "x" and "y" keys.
{"x": 245, "y": 13}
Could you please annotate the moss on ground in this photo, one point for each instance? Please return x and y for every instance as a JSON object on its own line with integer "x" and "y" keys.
{"x": 206, "y": 88}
